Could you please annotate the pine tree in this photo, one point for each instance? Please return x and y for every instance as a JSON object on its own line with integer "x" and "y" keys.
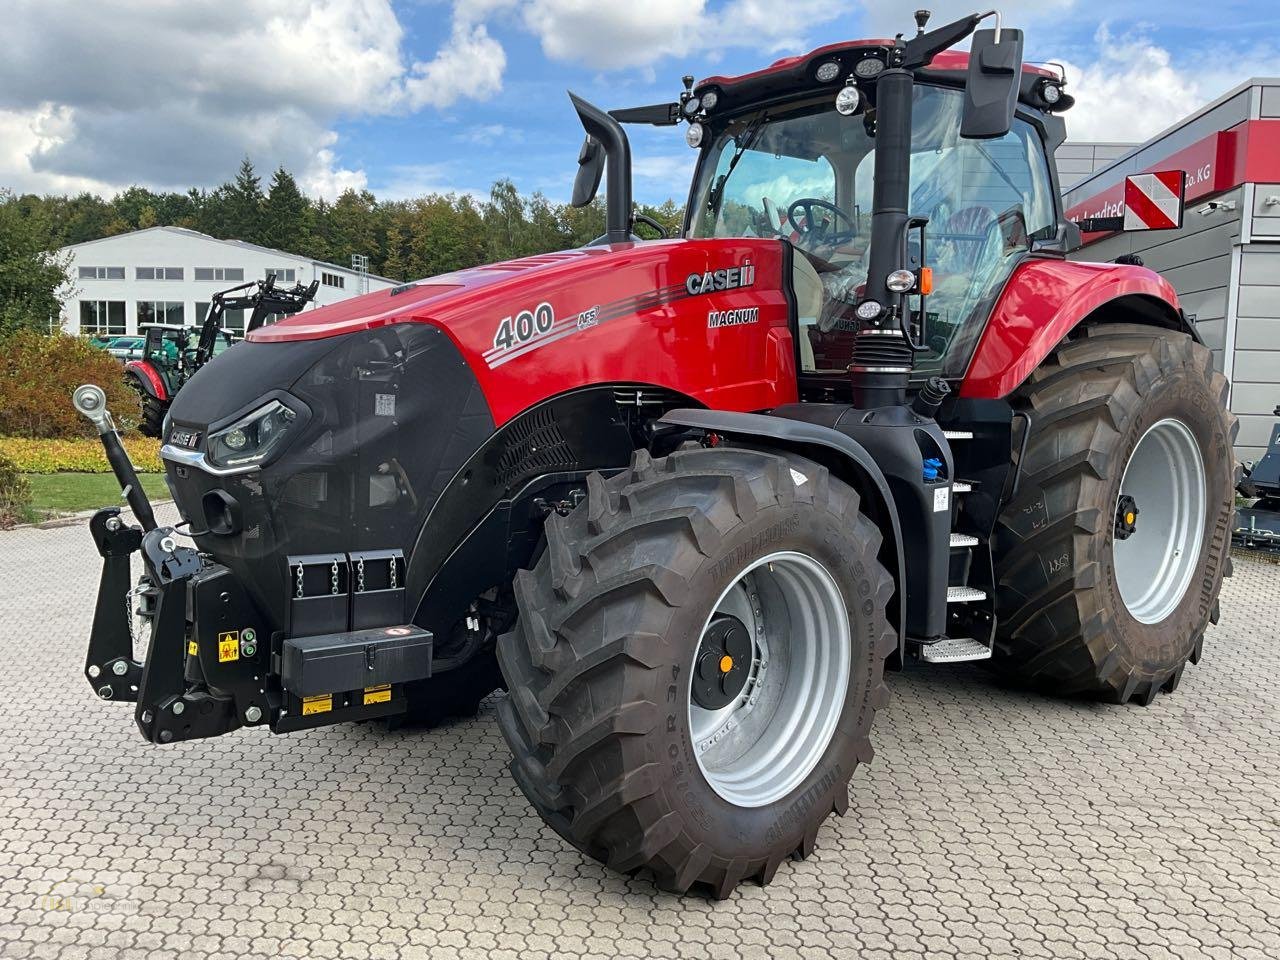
{"x": 243, "y": 200}
{"x": 288, "y": 214}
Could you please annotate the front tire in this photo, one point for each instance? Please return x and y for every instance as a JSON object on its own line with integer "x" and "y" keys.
{"x": 151, "y": 423}
{"x": 1121, "y": 416}
{"x": 616, "y": 695}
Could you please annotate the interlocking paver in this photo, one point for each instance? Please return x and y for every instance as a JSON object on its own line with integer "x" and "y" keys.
{"x": 993, "y": 823}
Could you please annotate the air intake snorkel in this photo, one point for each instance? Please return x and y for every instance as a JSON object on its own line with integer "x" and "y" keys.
{"x": 883, "y": 355}
{"x": 605, "y": 148}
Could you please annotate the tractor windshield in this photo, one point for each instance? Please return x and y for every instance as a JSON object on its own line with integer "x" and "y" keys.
{"x": 805, "y": 172}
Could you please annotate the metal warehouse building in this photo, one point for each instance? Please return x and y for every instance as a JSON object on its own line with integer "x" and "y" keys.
{"x": 1225, "y": 260}
{"x": 169, "y": 275}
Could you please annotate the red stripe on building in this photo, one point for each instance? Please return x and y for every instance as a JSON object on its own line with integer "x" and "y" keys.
{"x": 1249, "y": 152}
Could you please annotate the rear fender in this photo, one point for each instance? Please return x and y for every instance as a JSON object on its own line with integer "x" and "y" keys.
{"x": 148, "y": 380}
{"x": 843, "y": 456}
{"x": 1045, "y": 300}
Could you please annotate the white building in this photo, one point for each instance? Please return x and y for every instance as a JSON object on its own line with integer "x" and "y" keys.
{"x": 169, "y": 274}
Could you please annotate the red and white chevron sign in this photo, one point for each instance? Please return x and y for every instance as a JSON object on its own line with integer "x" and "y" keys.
{"x": 1153, "y": 201}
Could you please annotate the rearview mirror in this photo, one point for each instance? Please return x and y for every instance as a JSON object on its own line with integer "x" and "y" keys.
{"x": 586, "y": 182}
{"x": 991, "y": 89}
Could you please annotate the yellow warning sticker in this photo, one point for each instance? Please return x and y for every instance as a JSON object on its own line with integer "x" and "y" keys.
{"x": 321, "y": 703}
{"x": 192, "y": 649}
{"x": 378, "y": 694}
{"x": 229, "y": 646}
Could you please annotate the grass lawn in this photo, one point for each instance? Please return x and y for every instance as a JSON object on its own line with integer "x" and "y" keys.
{"x": 71, "y": 492}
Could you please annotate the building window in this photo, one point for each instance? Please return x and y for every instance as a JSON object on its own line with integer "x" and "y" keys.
{"x": 102, "y": 317}
{"x": 102, "y": 273}
{"x": 333, "y": 280}
{"x": 232, "y": 274}
{"x": 160, "y": 311}
{"x": 231, "y": 319}
{"x": 281, "y": 274}
{"x": 157, "y": 273}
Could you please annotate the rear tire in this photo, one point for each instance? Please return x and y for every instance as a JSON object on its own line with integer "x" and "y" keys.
{"x": 614, "y": 623}
{"x": 1076, "y": 615}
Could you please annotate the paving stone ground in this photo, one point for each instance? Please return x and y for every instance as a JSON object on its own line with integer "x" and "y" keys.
{"x": 993, "y": 823}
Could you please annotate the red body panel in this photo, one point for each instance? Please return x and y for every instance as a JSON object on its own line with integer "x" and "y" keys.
{"x": 947, "y": 60}
{"x": 620, "y": 313}
{"x": 1041, "y": 303}
{"x": 144, "y": 369}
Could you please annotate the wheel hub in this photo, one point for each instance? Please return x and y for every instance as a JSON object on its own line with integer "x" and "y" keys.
{"x": 1126, "y": 517}
{"x": 724, "y": 661}
{"x": 769, "y": 678}
{"x": 1155, "y": 563}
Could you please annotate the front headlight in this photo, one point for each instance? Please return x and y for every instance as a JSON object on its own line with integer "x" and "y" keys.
{"x": 252, "y": 438}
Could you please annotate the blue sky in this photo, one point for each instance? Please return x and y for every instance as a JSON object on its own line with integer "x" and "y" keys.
{"x": 413, "y": 96}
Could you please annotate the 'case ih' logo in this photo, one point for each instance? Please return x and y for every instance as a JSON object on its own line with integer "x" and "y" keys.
{"x": 713, "y": 281}
{"x": 184, "y": 438}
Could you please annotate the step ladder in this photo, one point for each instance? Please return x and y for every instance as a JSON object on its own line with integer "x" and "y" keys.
{"x": 970, "y": 606}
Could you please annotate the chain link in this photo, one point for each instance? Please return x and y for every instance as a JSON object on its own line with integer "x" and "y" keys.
{"x": 333, "y": 578}
{"x": 299, "y": 593}
{"x": 360, "y": 575}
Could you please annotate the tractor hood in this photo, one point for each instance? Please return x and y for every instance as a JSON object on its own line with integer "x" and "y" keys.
{"x": 341, "y": 429}
{"x": 541, "y": 325}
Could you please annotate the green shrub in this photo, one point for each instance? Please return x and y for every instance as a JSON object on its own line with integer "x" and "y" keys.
{"x": 37, "y": 374}
{"x": 15, "y": 494}
{"x": 81, "y": 455}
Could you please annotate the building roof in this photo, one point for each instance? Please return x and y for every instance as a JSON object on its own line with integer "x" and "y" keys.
{"x": 242, "y": 244}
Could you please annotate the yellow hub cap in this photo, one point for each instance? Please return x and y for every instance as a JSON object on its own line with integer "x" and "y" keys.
{"x": 726, "y": 663}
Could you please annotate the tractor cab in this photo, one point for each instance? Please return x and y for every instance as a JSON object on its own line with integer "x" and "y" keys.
{"x": 804, "y": 170}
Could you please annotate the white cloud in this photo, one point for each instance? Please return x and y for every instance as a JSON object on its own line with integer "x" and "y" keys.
{"x": 614, "y": 36}
{"x": 672, "y": 169}
{"x": 884, "y": 18}
{"x": 1135, "y": 88}
{"x": 470, "y": 65}
{"x": 101, "y": 96}
{"x": 410, "y": 181}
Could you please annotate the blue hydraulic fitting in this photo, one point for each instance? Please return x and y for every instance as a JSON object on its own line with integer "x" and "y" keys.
{"x": 932, "y": 467}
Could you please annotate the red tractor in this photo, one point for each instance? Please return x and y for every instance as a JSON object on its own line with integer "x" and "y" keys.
{"x": 685, "y": 499}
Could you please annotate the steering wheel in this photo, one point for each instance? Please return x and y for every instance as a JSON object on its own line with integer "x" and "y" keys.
{"x": 812, "y": 228}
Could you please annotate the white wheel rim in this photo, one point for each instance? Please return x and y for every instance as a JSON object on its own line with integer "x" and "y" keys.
{"x": 1155, "y": 565}
{"x": 765, "y": 743}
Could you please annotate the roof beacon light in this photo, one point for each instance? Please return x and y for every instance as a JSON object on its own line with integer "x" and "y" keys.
{"x": 848, "y": 100}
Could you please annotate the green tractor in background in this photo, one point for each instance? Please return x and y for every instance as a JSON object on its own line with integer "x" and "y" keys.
{"x": 173, "y": 353}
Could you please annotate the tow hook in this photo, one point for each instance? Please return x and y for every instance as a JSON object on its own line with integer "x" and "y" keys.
{"x": 1126, "y": 517}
